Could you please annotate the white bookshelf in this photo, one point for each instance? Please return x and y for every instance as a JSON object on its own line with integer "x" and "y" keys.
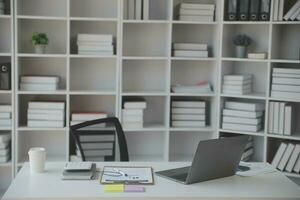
{"x": 143, "y": 65}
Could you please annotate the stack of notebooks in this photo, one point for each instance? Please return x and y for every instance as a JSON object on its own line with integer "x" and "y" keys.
{"x": 281, "y": 118}
{"x": 136, "y": 9}
{"x": 39, "y": 83}
{"x": 2, "y": 7}
{"x": 5, "y": 116}
{"x": 287, "y": 158}
{"x": 78, "y": 118}
{"x": 237, "y": 84}
{"x": 203, "y": 87}
{"x": 95, "y": 44}
{"x": 249, "y": 150}
{"x": 241, "y": 116}
{"x": 188, "y": 113}
{"x": 286, "y": 10}
{"x": 96, "y": 147}
{"x": 197, "y": 12}
{"x": 286, "y": 83}
{"x": 43, "y": 114}
{"x": 190, "y": 50}
{"x": 5, "y": 140}
{"x": 133, "y": 112}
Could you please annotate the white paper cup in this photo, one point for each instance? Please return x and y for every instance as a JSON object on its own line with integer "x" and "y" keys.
{"x": 37, "y": 159}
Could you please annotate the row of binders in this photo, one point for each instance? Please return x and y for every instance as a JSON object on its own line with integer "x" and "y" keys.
{"x": 188, "y": 113}
{"x": 243, "y": 116}
{"x": 281, "y": 115}
{"x": 196, "y": 12}
{"x": 286, "y": 10}
{"x": 95, "y": 44}
{"x": 237, "y": 84}
{"x": 133, "y": 112}
{"x": 136, "y": 9}
{"x": 286, "y": 83}
{"x": 287, "y": 158}
{"x": 190, "y": 50}
{"x": 5, "y": 147}
{"x": 43, "y": 114}
{"x": 39, "y": 83}
{"x": 5, "y": 116}
{"x": 248, "y": 10}
{"x": 2, "y": 7}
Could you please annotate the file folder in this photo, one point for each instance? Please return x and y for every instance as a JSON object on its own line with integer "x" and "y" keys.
{"x": 265, "y": 10}
{"x": 254, "y": 10}
{"x": 232, "y": 8}
{"x": 244, "y": 10}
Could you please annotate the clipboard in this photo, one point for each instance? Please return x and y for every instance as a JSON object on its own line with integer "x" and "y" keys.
{"x": 127, "y": 175}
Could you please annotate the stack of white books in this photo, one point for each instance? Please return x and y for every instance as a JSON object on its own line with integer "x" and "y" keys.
{"x": 202, "y": 88}
{"x": 249, "y": 150}
{"x": 241, "y": 116}
{"x": 188, "y": 113}
{"x": 137, "y": 9}
{"x": 282, "y": 118}
{"x": 5, "y": 116}
{"x": 78, "y": 118}
{"x": 197, "y": 12}
{"x": 190, "y": 50}
{"x": 286, "y": 83}
{"x": 95, "y": 44}
{"x": 43, "y": 114}
{"x": 237, "y": 84}
{"x": 2, "y": 7}
{"x": 286, "y": 10}
{"x": 96, "y": 147}
{"x": 287, "y": 158}
{"x": 39, "y": 83}
{"x": 5, "y": 140}
{"x": 133, "y": 113}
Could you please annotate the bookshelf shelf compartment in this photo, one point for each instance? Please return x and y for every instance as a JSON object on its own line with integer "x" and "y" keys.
{"x": 94, "y": 8}
{"x": 5, "y": 36}
{"x": 143, "y": 73}
{"x": 94, "y": 74}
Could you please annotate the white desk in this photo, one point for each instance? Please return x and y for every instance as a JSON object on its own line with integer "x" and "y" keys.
{"x": 49, "y": 186}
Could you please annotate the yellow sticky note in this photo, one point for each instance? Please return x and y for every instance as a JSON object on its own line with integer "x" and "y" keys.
{"x": 114, "y": 188}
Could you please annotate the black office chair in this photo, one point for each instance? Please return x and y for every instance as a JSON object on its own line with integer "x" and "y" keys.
{"x": 111, "y": 122}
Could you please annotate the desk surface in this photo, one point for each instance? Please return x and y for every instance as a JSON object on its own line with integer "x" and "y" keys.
{"x": 49, "y": 186}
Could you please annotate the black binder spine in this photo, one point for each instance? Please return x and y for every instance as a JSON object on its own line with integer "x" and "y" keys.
{"x": 254, "y": 10}
{"x": 265, "y": 10}
{"x": 232, "y": 8}
{"x": 5, "y": 76}
{"x": 244, "y": 10}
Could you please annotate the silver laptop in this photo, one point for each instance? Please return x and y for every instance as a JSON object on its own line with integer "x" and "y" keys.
{"x": 213, "y": 159}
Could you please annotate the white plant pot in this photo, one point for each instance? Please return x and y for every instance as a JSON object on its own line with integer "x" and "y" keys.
{"x": 40, "y": 49}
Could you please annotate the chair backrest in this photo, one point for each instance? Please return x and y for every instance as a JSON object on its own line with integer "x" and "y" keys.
{"x": 87, "y": 138}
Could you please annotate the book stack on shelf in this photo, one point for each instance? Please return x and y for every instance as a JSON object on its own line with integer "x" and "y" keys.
{"x": 286, "y": 83}
{"x": 286, "y": 10}
{"x": 39, "y": 83}
{"x": 78, "y": 118}
{"x": 5, "y": 116}
{"x": 190, "y": 50}
{"x": 237, "y": 84}
{"x": 188, "y": 113}
{"x": 241, "y": 116}
{"x": 197, "y": 12}
{"x": 133, "y": 112}
{"x": 249, "y": 150}
{"x": 96, "y": 147}
{"x": 137, "y": 9}
{"x": 95, "y": 44}
{"x": 287, "y": 158}
{"x": 42, "y": 114}
{"x": 202, "y": 87}
{"x": 5, "y": 140}
{"x": 2, "y": 7}
{"x": 280, "y": 118}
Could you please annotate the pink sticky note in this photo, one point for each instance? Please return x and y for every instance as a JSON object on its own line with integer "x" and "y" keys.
{"x": 133, "y": 188}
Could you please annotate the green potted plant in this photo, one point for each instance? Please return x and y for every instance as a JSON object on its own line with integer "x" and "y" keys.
{"x": 241, "y": 41}
{"x": 39, "y": 41}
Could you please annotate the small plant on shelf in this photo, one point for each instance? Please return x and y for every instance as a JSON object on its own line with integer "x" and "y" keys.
{"x": 39, "y": 41}
{"x": 241, "y": 41}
